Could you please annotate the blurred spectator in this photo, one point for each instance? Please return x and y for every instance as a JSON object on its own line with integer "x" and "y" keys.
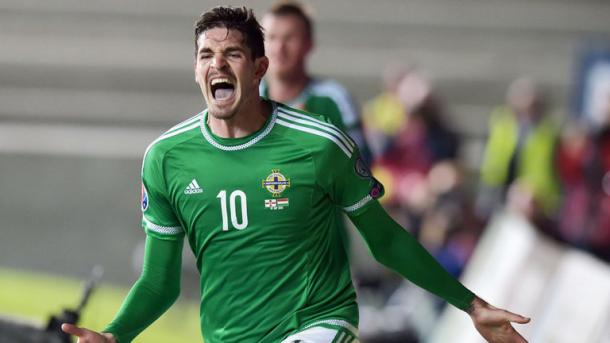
{"x": 289, "y": 39}
{"x": 418, "y": 163}
{"x": 583, "y": 161}
{"x": 424, "y": 184}
{"x": 520, "y": 148}
{"x": 384, "y": 115}
{"x": 414, "y": 148}
{"x": 448, "y": 229}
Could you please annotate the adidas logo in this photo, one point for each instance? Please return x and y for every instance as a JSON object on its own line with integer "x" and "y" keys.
{"x": 193, "y": 188}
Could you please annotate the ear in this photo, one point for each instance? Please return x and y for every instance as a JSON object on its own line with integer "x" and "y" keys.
{"x": 260, "y": 67}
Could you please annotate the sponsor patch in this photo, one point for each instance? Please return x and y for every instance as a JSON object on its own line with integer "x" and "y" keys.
{"x": 276, "y": 183}
{"x": 144, "y": 202}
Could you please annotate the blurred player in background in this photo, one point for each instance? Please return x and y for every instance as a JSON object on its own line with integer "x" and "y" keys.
{"x": 289, "y": 39}
{"x": 252, "y": 184}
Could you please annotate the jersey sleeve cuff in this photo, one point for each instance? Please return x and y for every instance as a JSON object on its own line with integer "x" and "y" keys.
{"x": 353, "y": 209}
{"x": 375, "y": 192}
{"x": 160, "y": 231}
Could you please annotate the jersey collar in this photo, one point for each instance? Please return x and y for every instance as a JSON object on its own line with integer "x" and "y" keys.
{"x": 234, "y": 144}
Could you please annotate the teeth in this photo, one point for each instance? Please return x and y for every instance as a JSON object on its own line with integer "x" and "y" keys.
{"x": 219, "y": 80}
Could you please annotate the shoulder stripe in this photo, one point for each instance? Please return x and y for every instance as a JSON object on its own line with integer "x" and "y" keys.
{"x": 189, "y": 121}
{"x": 168, "y": 135}
{"x": 325, "y": 128}
{"x": 359, "y": 204}
{"x": 164, "y": 230}
{"x": 292, "y": 112}
{"x": 318, "y": 133}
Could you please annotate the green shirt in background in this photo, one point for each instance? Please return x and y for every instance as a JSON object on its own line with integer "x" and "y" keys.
{"x": 331, "y": 99}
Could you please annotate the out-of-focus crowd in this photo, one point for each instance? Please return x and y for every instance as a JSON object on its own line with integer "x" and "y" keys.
{"x": 555, "y": 174}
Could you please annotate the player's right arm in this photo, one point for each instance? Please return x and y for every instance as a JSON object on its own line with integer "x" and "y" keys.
{"x": 155, "y": 291}
{"x": 87, "y": 336}
{"x": 158, "y": 286}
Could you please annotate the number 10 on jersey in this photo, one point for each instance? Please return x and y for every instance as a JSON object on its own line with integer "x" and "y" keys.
{"x": 232, "y": 209}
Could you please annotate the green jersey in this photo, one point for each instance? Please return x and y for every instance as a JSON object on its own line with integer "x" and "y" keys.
{"x": 259, "y": 214}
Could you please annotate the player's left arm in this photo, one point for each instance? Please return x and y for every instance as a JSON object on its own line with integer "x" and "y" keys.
{"x": 398, "y": 250}
{"x": 346, "y": 178}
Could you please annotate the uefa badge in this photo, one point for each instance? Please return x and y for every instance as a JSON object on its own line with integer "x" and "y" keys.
{"x": 362, "y": 169}
{"x": 144, "y": 202}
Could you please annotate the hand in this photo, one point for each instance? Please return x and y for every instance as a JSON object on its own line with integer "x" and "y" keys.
{"x": 494, "y": 323}
{"x": 86, "y": 335}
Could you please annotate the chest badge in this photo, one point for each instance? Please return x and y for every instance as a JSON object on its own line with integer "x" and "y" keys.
{"x": 276, "y": 183}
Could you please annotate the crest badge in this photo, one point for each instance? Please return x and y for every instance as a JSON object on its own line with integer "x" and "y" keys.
{"x": 276, "y": 183}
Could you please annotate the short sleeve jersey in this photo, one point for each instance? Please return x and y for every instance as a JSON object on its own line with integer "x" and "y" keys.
{"x": 259, "y": 215}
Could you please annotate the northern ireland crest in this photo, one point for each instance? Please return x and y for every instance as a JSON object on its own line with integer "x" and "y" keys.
{"x": 276, "y": 183}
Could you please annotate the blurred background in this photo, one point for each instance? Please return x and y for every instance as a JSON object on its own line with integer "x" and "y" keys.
{"x": 488, "y": 123}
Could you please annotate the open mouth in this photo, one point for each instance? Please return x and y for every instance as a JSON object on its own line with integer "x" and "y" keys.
{"x": 222, "y": 88}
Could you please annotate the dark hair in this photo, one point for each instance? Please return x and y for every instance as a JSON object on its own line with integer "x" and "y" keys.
{"x": 241, "y": 19}
{"x": 293, "y": 8}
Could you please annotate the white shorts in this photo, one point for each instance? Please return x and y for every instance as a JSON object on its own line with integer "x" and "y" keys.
{"x": 326, "y": 331}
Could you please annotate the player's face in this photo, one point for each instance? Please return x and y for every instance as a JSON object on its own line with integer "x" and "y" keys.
{"x": 225, "y": 71}
{"x": 286, "y": 43}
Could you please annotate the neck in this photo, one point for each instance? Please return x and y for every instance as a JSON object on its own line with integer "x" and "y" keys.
{"x": 286, "y": 88}
{"x": 243, "y": 123}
